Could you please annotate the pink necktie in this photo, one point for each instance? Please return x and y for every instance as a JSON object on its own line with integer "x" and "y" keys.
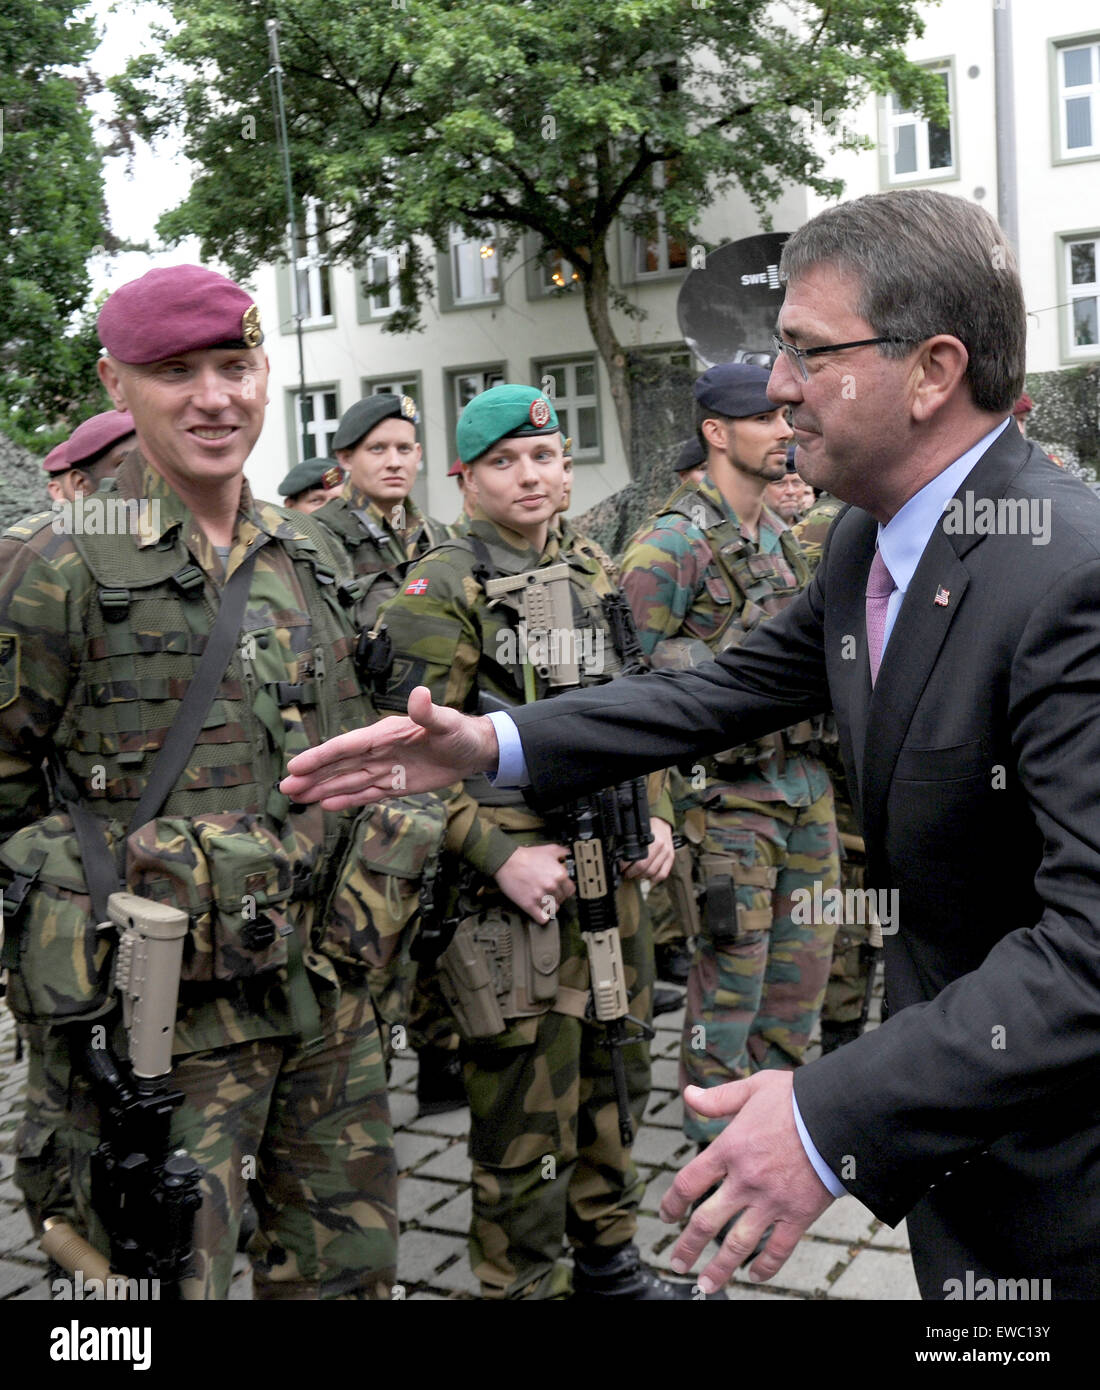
{"x": 880, "y": 585}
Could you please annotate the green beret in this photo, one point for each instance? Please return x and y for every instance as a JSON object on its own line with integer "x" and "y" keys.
{"x": 313, "y": 473}
{"x": 503, "y": 412}
{"x": 359, "y": 419}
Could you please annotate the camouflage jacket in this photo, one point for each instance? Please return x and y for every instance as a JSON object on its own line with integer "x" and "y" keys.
{"x": 95, "y": 675}
{"x": 446, "y": 634}
{"x": 690, "y": 599}
{"x": 381, "y": 545}
{"x": 814, "y": 527}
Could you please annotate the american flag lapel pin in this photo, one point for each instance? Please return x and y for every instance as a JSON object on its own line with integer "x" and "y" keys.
{"x": 943, "y": 597}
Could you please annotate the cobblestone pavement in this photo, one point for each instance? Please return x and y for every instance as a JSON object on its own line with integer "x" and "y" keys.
{"x": 847, "y": 1254}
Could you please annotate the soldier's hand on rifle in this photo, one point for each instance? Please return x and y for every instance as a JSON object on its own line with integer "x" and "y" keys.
{"x": 764, "y": 1174}
{"x": 536, "y": 879}
{"x": 432, "y": 748}
{"x": 657, "y": 865}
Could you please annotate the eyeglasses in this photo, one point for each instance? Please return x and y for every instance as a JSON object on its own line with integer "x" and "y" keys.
{"x": 796, "y": 356}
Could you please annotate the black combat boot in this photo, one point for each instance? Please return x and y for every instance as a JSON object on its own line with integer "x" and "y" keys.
{"x": 834, "y": 1035}
{"x": 439, "y": 1085}
{"x": 618, "y": 1272}
{"x": 673, "y": 962}
{"x": 666, "y": 1001}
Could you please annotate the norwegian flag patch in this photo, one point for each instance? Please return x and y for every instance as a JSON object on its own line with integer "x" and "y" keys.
{"x": 418, "y": 586}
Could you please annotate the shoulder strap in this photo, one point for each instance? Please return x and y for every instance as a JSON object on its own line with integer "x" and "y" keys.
{"x": 102, "y": 873}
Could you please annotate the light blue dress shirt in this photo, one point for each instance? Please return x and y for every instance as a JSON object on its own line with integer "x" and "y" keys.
{"x": 902, "y": 541}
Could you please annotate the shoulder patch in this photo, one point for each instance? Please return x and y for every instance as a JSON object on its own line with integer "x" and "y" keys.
{"x": 417, "y": 586}
{"x": 28, "y": 526}
{"x": 9, "y": 668}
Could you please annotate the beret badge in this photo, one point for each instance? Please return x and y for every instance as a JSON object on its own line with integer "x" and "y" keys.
{"x": 539, "y": 414}
{"x": 250, "y": 326}
{"x": 408, "y": 409}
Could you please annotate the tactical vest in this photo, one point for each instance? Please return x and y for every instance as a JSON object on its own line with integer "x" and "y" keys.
{"x": 378, "y": 559}
{"x": 146, "y": 627}
{"x": 756, "y": 585}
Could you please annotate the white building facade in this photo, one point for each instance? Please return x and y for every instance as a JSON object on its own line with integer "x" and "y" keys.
{"x": 492, "y": 319}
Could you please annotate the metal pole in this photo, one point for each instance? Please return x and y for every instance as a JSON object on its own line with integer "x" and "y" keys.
{"x": 291, "y": 221}
{"x": 1005, "y": 98}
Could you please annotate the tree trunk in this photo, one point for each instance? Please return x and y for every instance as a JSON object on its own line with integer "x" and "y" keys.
{"x": 597, "y": 309}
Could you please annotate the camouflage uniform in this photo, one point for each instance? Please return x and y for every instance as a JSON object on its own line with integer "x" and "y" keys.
{"x": 277, "y": 1051}
{"x": 853, "y": 956}
{"x": 382, "y": 545}
{"x": 696, "y": 584}
{"x": 547, "y": 1158}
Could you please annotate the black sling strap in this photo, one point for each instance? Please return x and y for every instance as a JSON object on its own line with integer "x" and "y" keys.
{"x": 102, "y": 874}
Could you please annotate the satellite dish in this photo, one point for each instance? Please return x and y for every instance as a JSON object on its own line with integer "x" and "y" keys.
{"x": 727, "y": 309}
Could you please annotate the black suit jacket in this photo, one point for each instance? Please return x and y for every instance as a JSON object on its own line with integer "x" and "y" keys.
{"x": 976, "y": 765}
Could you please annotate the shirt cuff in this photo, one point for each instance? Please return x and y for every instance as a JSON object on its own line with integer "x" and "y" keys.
{"x": 820, "y": 1167}
{"x": 511, "y": 766}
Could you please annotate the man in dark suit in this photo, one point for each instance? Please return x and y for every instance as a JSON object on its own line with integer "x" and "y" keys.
{"x": 953, "y": 626}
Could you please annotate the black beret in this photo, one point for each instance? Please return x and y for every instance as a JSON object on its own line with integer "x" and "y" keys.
{"x": 313, "y": 473}
{"x": 358, "y": 420}
{"x": 735, "y": 389}
{"x": 692, "y": 455}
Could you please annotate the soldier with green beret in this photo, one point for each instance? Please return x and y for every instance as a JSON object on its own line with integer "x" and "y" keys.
{"x": 276, "y": 1049}
{"x": 709, "y": 566}
{"x": 548, "y": 1158}
{"x": 308, "y": 486}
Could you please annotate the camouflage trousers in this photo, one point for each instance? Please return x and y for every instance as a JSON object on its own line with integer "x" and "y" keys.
{"x": 667, "y": 927}
{"x": 851, "y": 964}
{"x": 304, "y": 1131}
{"x": 548, "y": 1162}
{"x": 758, "y": 976}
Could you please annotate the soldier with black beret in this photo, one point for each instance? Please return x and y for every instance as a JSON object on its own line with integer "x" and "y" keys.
{"x": 310, "y": 485}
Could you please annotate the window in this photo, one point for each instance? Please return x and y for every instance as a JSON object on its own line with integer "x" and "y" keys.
{"x": 463, "y": 384}
{"x": 659, "y": 249}
{"x": 1082, "y": 268}
{"x": 395, "y": 386}
{"x": 475, "y": 269}
{"x": 572, "y": 386}
{"x": 312, "y": 277}
{"x": 318, "y": 415}
{"x": 380, "y": 286}
{"x": 1079, "y": 99}
{"x": 919, "y": 149}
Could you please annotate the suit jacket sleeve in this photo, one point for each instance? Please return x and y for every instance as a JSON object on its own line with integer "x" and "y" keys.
{"x": 598, "y": 737}
{"x": 1011, "y": 1047}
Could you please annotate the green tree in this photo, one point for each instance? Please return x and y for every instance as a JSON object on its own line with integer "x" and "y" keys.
{"x": 51, "y": 214}
{"x": 408, "y": 117}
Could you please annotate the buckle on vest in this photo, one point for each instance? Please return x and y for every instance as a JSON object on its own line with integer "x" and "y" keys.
{"x": 323, "y": 574}
{"x": 189, "y": 581}
{"x": 349, "y": 592}
{"x": 302, "y": 693}
{"x": 115, "y": 604}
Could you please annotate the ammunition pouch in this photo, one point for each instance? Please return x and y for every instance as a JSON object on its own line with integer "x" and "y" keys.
{"x": 727, "y": 920}
{"x": 232, "y": 875}
{"x": 59, "y": 962}
{"x": 500, "y": 965}
{"x": 681, "y": 890}
{"x": 383, "y": 890}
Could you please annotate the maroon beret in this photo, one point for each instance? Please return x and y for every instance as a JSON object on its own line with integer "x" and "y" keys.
{"x": 57, "y": 460}
{"x": 455, "y": 469}
{"x": 178, "y": 309}
{"x": 1024, "y": 406}
{"x": 95, "y": 436}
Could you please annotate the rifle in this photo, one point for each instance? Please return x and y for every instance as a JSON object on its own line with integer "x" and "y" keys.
{"x": 144, "y": 1191}
{"x": 601, "y": 830}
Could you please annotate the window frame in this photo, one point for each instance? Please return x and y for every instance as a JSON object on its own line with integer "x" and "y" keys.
{"x": 1056, "y": 47}
{"x": 1071, "y": 354}
{"x": 539, "y": 366}
{"x": 366, "y": 311}
{"x": 445, "y": 276}
{"x": 887, "y": 176}
{"x": 450, "y": 396}
{"x": 294, "y": 421}
{"x": 630, "y": 241}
